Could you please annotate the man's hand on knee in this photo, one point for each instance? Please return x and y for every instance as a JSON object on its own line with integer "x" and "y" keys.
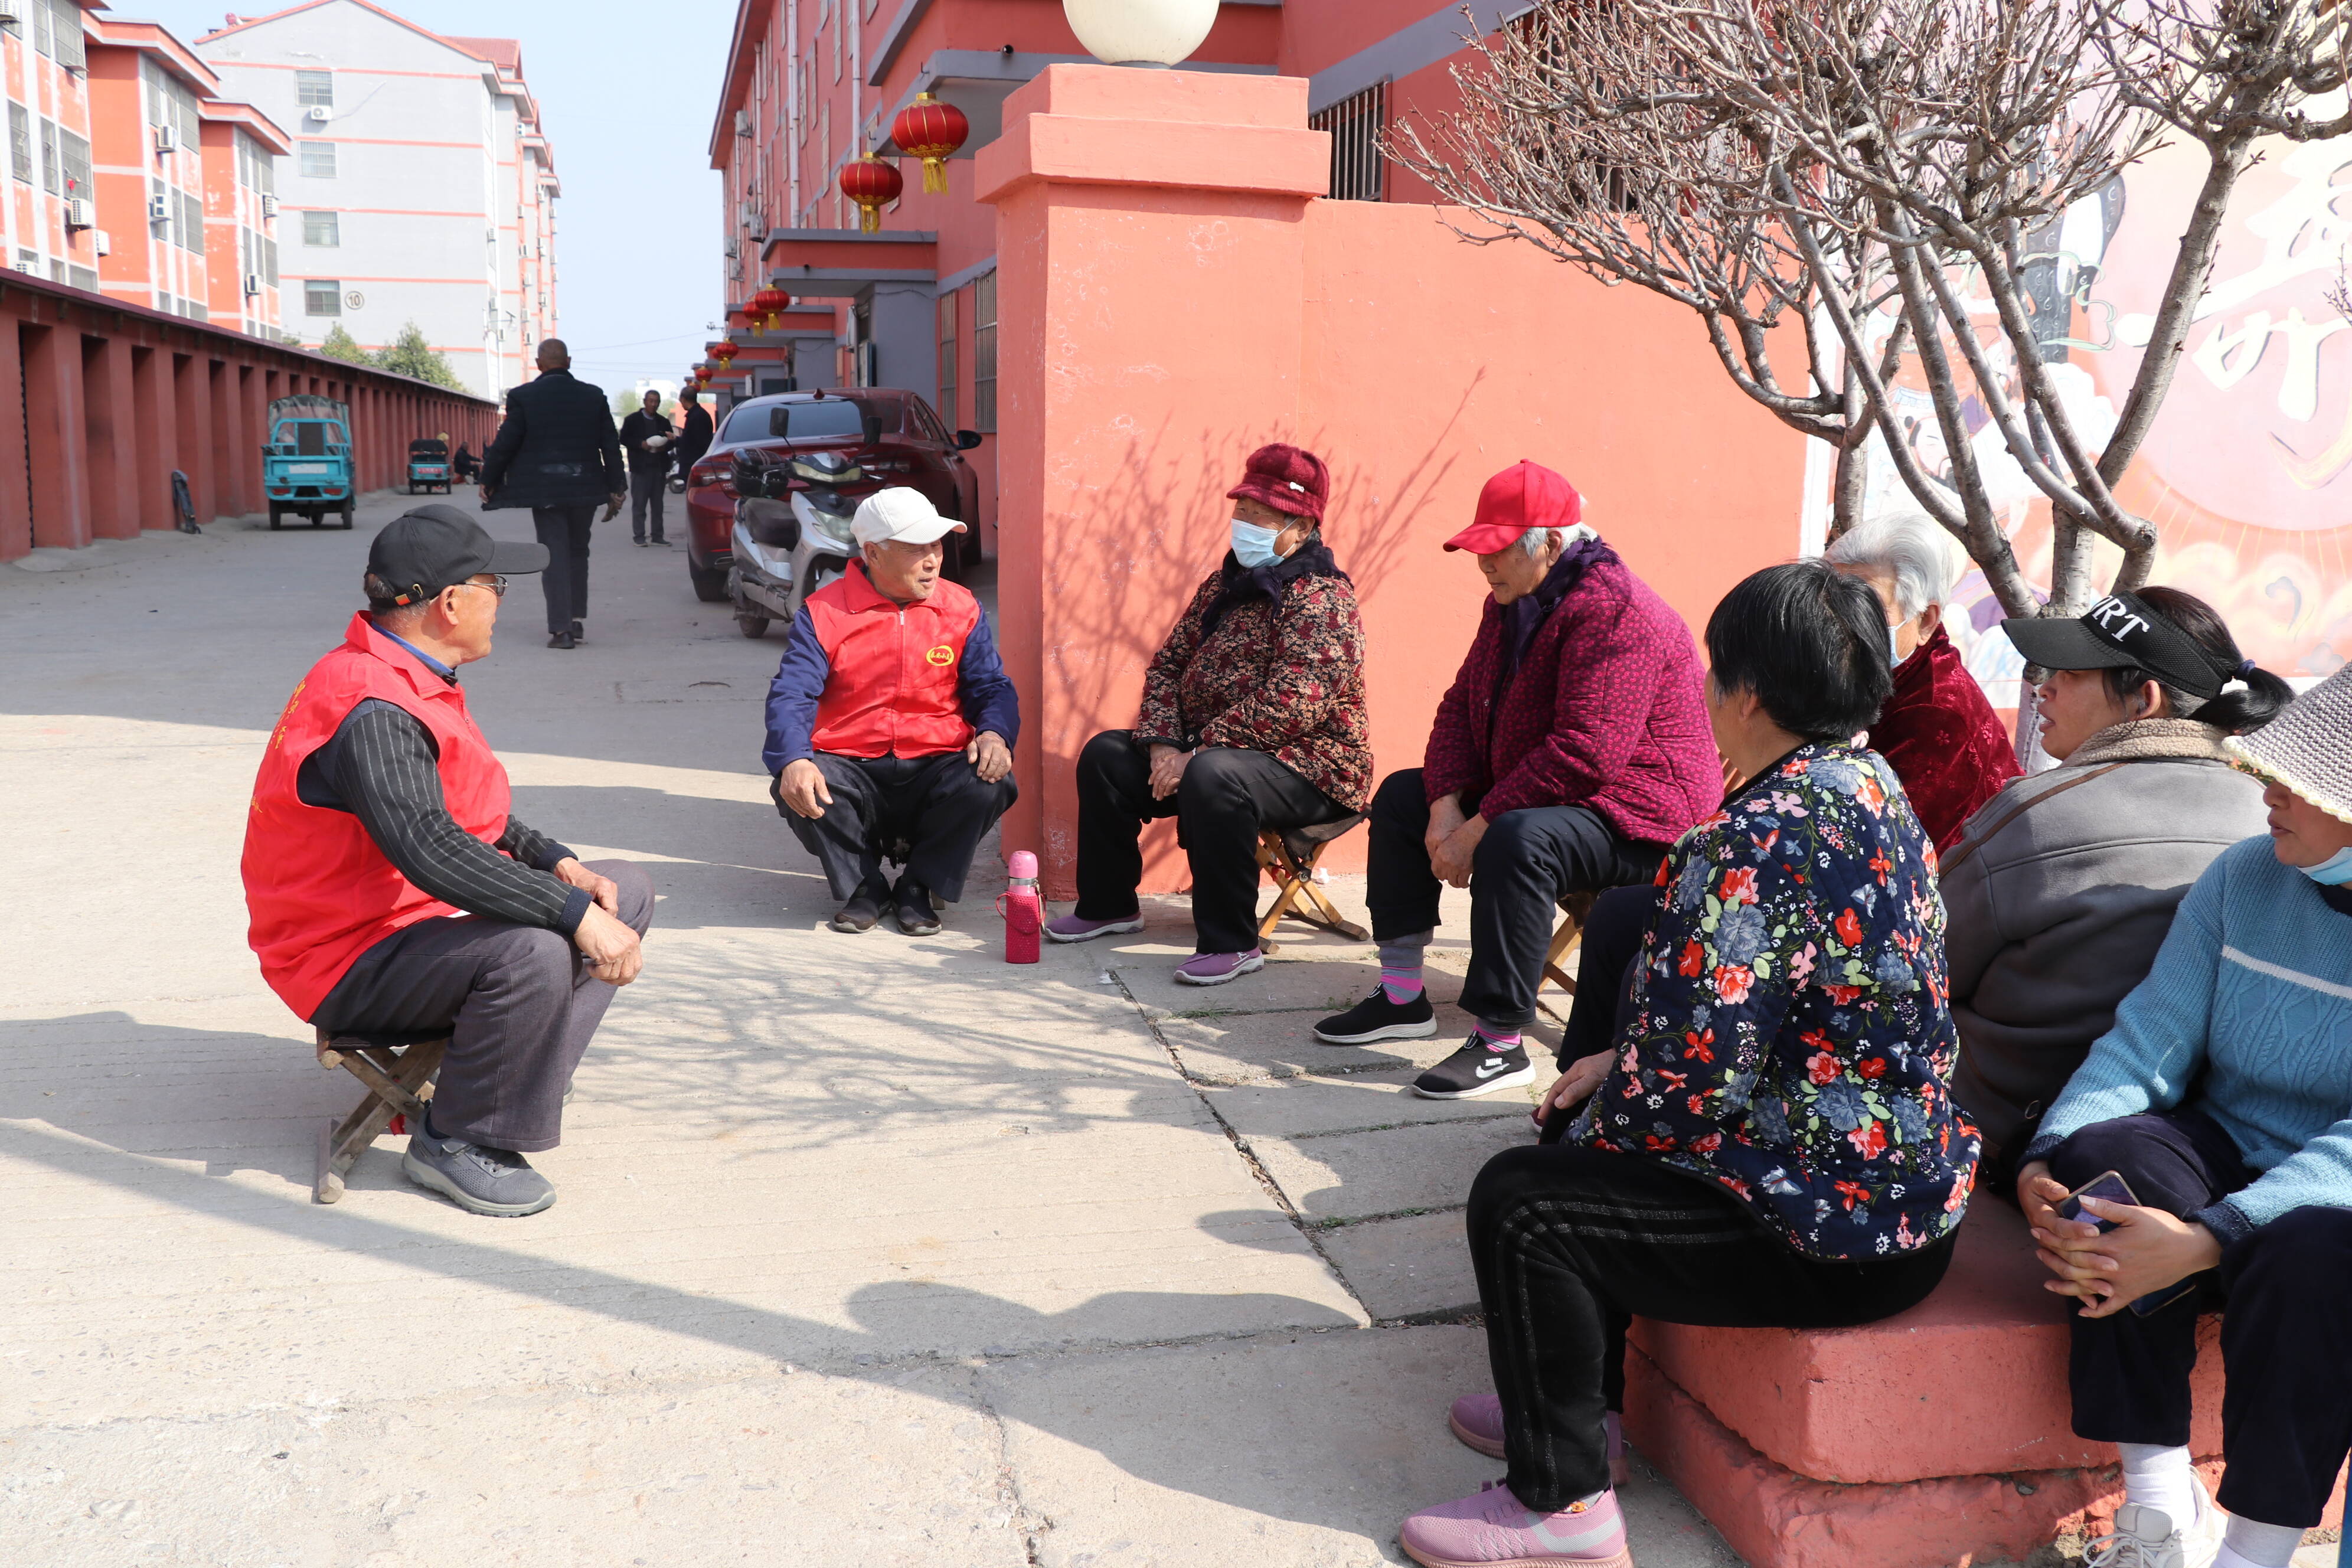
{"x": 988, "y": 756}
{"x": 800, "y": 786}
{"x": 614, "y": 955}
{"x": 604, "y": 889}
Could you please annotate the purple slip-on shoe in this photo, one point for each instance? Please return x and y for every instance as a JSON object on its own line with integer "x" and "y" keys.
{"x": 1072, "y": 928}
{"x": 1216, "y": 968}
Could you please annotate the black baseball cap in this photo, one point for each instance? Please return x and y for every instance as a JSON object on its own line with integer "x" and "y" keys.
{"x": 421, "y": 552}
{"x": 2124, "y": 631}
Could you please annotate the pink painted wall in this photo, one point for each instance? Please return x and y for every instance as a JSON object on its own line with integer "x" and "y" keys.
{"x": 1174, "y": 292}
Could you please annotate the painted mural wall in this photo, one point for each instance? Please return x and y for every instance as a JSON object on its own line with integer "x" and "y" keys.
{"x": 2248, "y": 472}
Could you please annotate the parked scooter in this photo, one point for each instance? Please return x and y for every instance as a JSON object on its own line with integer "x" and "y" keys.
{"x": 792, "y": 532}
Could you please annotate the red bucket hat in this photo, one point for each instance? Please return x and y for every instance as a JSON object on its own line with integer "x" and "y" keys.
{"x": 1288, "y": 479}
{"x": 1524, "y": 496}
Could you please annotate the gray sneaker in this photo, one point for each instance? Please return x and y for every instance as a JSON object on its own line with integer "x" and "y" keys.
{"x": 497, "y": 1182}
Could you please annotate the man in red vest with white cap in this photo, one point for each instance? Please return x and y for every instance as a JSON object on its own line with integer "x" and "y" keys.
{"x": 392, "y": 894}
{"x": 891, "y": 721}
{"x": 1572, "y": 750}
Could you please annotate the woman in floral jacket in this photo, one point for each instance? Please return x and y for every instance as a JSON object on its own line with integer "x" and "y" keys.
{"x": 1770, "y": 1142}
{"x": 1253, "y": 718}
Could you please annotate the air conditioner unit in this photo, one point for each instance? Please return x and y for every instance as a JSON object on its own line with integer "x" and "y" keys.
{"x": 732, "y": 251}
{"x": 26, "y": 267}
{"x": 159, "y": 209}
{"x": 80, "y": 213}
{"x": 317, "y": 114}
{"x": 11, "y": 13}
{"x": 742, "y": 116}
{"x": 102, "y": 242}
{"x": 252, "y": 284}
{"x": 167, "y": 139}
{"x": 270, "y": 206}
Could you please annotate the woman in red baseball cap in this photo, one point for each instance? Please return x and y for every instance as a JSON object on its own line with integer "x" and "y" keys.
{"x": 1254, "y": 719}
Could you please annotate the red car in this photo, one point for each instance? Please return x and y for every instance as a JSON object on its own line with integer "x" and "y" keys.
{"x": 894, "y": 436}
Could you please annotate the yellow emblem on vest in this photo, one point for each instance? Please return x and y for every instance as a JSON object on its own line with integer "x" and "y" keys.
{"x": 941, "y": 655}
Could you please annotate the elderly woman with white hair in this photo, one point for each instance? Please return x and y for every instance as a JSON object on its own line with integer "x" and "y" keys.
{"x": 1937, "y": 732}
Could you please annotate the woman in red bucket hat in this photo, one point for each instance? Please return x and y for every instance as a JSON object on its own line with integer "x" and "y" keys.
{"x": 1253, "y": 718}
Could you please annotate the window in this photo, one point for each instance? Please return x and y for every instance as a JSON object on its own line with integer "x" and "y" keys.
{"x": 82, "y": 278}
{"x": 68, "y": 27}
{"x": 269, "y": 263}
{"x": 20, "y": 142}
{"x": 73, "y": 158}
{"x": 255, "y": 167}
{"x": 947, "y": 359}
{"x": 1359, "y": 171}
{"x": 29, "y": 261}
{"x": 318, "y": 160}
{"x": 192, "y": 224}
{"x": 322, "y": 228}
{"x": 809, "y": 420}
{"x": 49, "y": 158}
{"x": 314, "y": 87}
{"x": 44, "y": 28}
{"x": 322, "y": 297}
{"x": 983, "y": 353}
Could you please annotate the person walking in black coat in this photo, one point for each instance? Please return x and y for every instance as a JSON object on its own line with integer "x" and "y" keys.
{"x": 694, "y": 438}
{"x": 651, "y": 443}
{"x": 559, "y": 455}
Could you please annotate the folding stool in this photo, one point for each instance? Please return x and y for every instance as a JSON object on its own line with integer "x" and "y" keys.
{"x": 1291, "y": 855}
{"x": 398, "y": 1072}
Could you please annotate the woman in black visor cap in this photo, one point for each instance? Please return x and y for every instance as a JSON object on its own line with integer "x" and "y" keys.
{"x": 2063, "y": 884}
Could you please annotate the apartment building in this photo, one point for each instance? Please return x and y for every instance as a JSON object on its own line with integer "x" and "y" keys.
{"x": 810, "y": 85}
{"x": 51, "y": 220}
{"x": 421, "y": 188}
{"x": 241, "y": 148}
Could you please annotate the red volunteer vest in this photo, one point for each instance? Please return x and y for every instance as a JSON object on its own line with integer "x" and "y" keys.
{"x": 319, "y": 891}
{"x": 893, "y": 691}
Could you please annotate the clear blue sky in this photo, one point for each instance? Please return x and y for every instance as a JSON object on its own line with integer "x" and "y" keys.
{"x": 627, "y": 93}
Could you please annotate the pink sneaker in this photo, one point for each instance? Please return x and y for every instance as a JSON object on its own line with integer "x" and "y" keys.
{"x": 1495, "y": 1529}
{"x": 1478, "y": 1420}
{"x": 1075, "y": 927}
{"x": 1216, "y": 968}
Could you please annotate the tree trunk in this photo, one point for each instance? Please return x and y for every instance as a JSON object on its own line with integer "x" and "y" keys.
{"x": 2069, "y": 568}
{"x": 1852, "y": 482}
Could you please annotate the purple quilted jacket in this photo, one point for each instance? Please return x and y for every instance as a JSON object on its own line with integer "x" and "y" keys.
{"x": 1604, "y": 712}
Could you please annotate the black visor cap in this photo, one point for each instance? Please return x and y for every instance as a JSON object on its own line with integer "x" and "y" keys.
{"x": 2122, "y": 631}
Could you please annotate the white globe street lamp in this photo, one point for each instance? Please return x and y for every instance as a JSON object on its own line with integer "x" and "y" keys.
{"x": 1153, "y": 32}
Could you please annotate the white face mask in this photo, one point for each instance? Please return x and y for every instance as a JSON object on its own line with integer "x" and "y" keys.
{"x": 1895, "y": 654}
{"x": 1254, "y": 545}
{"x": 2333, "y": 872}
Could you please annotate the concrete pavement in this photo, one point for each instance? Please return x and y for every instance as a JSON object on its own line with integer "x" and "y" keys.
{"x": 870, "y": 1250}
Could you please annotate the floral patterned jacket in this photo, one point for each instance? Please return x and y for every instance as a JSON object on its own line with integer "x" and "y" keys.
{"x": 1790, "y": 1038}
{"x": 1284, "y": 675}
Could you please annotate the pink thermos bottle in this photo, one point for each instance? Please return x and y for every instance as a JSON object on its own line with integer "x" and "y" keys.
{"x": 1024, "y": 911}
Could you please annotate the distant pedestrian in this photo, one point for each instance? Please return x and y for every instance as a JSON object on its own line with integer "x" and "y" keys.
{"x": 558, "y": 454}
{"x": 694, "y": 440}
{"x": 651, "y": 443}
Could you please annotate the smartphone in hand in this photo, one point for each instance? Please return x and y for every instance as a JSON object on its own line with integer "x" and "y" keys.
{"x": 2106, "y": 1186}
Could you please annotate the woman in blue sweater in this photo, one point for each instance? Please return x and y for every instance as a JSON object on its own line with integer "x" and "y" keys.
{"x": 2223, "y": 1099}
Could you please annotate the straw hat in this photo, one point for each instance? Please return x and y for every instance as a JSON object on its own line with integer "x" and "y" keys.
{"x": 2308, "y": 747}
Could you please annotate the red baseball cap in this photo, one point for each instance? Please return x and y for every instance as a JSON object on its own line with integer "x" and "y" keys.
{"x": 1524, "y": 496}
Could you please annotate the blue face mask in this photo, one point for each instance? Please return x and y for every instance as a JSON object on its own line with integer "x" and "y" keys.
{"x": 2333, "y": 872}
{"x": 1895, "y": 654}
{"x": 1253, "y": 545}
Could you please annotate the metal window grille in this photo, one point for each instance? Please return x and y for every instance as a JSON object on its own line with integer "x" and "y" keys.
{"x": 322, "y": 228}
{"x": 44, "y": 28}
{"x": 318, "y": 160}
{"x": 983, "y": 353}
{"x": 314, "y": 87}
{"x": 1359, "y": 168}
{"x": 323, "y": 297}
{"x": 947, "y": 360}
{"x": 73, "y": 159}
{"x": 192, "y": 224}
{"x": 20, "y": 142}
{"x": 49, "y": 158}
{"x": 68, "y": 31}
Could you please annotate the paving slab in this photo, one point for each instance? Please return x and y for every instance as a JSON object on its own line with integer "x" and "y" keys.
{"x": 1357, "y": 1175}
{"x": 1413, "y": 1265}
{"x": 902, "y": 1468}
{"x": 1257, "y": 1047}
{"x": 1351, "y": 1102}
{"x": 1303, "y": 1451}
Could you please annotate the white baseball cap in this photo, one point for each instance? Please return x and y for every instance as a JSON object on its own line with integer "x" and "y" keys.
{"x": 903, "y": 514}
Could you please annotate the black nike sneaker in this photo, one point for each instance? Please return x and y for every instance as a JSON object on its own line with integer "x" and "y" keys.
{"x": 1477, "y": 1069}
{"x": 1378, "y": 1018}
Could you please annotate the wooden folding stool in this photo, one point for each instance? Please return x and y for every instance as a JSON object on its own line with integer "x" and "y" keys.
{"x": 398, "y": 1074}
{"x": 1291, "y": 854}
{"x": 1575, "y": 910}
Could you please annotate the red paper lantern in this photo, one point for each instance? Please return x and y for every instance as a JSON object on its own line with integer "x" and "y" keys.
{"x": 724, "y": 352}
{"x": 765, "y": 305}
{"x": 931, "y": 131}
{"x": 872, "y": 184}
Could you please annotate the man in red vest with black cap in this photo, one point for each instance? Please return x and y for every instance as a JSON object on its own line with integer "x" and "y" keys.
{"x": 1572, "y": 750}
{"x": 392, "y": 893}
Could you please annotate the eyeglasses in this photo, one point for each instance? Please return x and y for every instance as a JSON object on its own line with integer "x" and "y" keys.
{"x": 497, "y": 584}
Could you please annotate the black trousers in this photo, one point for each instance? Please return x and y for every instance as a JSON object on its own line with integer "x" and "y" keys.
{"x": 1227, "y": 798}
{"x": 1604, "y": 971}
{"x": 647, "y": 488}
{"x": 516, "y": 1002}
{"x": 1526, "y": 864}
{"x": 938, "y": 804}
{"x": 1570, "y": 1243}
{"x": 2286, "y": 1297}
{"x": 564, "y": 531}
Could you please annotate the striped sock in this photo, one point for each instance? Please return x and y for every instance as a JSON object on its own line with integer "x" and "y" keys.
{"x": 1401, "y": 968}
{"x": 1495, "y": 1037}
